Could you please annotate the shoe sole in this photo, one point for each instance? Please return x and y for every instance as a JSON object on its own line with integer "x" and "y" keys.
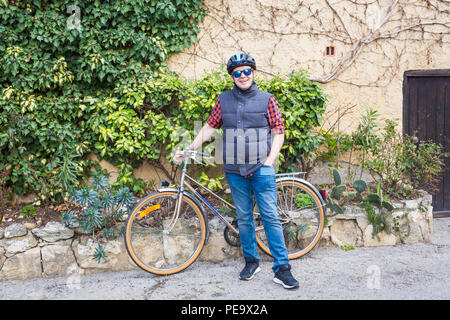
{"x": 278, "y": 281}
{"x": 251, "y": 277}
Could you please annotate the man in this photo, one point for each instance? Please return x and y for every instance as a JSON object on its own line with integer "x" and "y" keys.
{"x": 249, "y": 117}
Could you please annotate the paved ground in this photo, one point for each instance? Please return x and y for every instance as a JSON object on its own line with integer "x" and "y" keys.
{"x": 419, "y": 271}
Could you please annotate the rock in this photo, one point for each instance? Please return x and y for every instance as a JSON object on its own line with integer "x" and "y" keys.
{"x": 398, "y": 214}
{"x": 383, "y": 238}
{"x": 2, "y": 257}
{"x": 117, "y": 258}
{"x": 213, "y": 251}
{"x": 30, "y": 226}
{"x": 420, "y": 227}
{"x": 58, "y": 259}
{"x": 411, "y": 233}
{"x": 344, "y": 232}
{"x": 325, "y": 239}
{"x": 2, "y": 233}
{"x": 18, "y": 244}
{"x": 412, "y": 204}
{"x": 53, "y": 231}
{"x": 15, "y": 230}
{"x": 22, "y": 266}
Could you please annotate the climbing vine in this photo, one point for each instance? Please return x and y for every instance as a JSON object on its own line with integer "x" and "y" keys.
{"x": 60, "y": 58}
{"x": 292, "y": 35}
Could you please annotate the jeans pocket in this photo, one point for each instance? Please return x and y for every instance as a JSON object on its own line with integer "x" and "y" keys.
{"x": 267, "y": 170}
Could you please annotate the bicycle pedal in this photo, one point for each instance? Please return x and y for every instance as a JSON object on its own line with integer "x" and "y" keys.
{"x": 227, "y": 251}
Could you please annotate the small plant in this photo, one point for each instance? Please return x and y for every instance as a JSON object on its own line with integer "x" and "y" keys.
{"x": 365, "y": 138}
{"x": 211, "y": 183}
{"x": 100, "y": 254}
{"x": 101, "y": 208}
{"x": 338, "y": 200}
{"x": 404, "y": 163}
{"x": 126, "y": 180}
{"x": 303, "y": 200}
{"x": 337, "y": 193}
{"x": 346, "y": 247}
{"x": 226, "y": 211}
{"x": 396, "y": 224}
{"x": 28, "y": 211}
{"x": 378, "y": 221}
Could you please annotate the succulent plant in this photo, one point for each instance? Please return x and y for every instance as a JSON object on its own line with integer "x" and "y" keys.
{"x": 339, "y": 199}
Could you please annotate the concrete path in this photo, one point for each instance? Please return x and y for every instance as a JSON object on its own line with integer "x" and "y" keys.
{"x": 419, "y": 271}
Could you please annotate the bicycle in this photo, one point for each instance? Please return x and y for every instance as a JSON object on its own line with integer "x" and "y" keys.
{"x": 167, "y": 230}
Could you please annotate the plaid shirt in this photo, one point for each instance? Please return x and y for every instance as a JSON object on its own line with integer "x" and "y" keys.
{"x": 273, "y": 116}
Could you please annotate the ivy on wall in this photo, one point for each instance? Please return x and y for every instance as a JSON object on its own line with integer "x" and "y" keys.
{"x": 72, "y": 45}
{"x": 93, "y": 79}
{"x": 57, "y": 59}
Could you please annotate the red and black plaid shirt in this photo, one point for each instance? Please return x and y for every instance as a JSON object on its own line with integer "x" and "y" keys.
{"x": 273, "y": 116}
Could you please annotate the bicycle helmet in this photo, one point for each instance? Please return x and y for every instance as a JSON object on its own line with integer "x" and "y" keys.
{"x": 240, "y": 59}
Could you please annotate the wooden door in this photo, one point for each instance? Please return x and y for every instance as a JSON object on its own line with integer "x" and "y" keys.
{"x": 426, "y": 108}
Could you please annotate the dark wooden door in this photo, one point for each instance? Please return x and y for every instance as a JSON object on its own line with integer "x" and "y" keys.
{"x": 426, "y": 108}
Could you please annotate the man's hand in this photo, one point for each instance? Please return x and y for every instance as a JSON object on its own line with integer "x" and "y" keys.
{"x": 205, "y": 133}
{"x": 178, "y": 157}
{"x": 277, "y": 143}
{"x": 268, "y": 163}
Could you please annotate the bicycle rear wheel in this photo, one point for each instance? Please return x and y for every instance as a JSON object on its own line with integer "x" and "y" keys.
{"x": 159, "y": 244}
{"x": 302, "y": 217}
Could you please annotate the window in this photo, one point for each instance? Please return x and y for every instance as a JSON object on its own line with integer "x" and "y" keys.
{"x": 330, "y": 51}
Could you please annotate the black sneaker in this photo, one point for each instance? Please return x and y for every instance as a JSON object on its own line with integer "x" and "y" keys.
{"x": 251, "y": 268}
{"x": 284, "y": 277}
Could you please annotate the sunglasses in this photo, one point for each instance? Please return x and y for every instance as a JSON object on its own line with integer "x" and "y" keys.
{"x": 247, "y": 72}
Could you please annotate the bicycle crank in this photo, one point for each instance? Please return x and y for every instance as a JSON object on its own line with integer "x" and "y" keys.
{"x": 231, "y": 237}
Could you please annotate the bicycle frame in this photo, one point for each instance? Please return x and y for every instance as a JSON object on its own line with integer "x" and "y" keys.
{"x": 184, "y": 183}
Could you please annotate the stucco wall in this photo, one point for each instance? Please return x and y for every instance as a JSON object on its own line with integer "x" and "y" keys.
{"x": 375, "y": 43}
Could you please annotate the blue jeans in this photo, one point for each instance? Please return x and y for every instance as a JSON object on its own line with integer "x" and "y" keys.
{"x": 262, "y": 183}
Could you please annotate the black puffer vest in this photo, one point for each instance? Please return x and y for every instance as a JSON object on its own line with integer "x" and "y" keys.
{"x": 246, "y": 130}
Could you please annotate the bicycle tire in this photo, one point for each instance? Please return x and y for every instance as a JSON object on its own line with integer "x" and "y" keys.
{"x": 301, "y": 237}
{"x": 151, "y": 245}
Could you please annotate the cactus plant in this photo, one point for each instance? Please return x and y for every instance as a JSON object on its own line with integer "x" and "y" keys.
{"x": 337, "y": 200}
{"x": 336, "y": 194}
{"x": 337, "y": 177}
{"x": 360, "y": 186}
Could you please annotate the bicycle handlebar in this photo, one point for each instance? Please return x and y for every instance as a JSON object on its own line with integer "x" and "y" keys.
{"x": 193, "y": 152}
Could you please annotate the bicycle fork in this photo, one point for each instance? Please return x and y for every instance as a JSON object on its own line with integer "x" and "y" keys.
{"x": 178, "y": 203}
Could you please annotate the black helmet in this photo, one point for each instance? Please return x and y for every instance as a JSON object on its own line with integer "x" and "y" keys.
{"x": 240, "y": 59}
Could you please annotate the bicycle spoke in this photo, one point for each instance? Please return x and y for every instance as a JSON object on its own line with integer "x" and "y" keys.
{"x": 160, "y": 242}
{"x": 301, "y": 217}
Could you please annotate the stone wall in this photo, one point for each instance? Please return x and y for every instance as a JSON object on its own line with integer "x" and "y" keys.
{"x": 54, "y": 250}
{"x": 410, "y": 222}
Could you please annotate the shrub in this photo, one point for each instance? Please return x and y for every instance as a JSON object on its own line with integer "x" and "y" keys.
{"x": 403, "y": 163}
{"x": 100, "y": 208}
{"x": 56, "y": 63}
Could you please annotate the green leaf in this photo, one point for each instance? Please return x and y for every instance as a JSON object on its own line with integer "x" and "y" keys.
{"x": 373, "y": 198}
{"x": 337, "y": 177}
{"x": 387, "y": 205}
{"x": 337, "y": 192}
{"x": 360, "y": 186}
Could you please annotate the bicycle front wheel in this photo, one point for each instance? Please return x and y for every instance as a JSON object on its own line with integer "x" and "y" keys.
{"x": 160, "y": 243}
{"x": 302, "y": 217}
